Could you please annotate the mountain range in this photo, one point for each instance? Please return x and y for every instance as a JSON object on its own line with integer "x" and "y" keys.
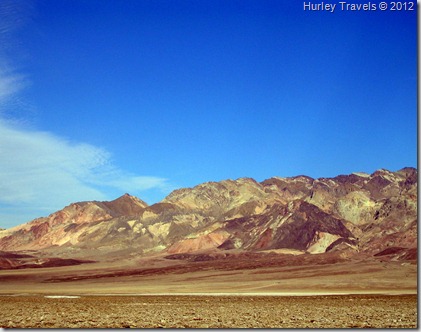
{"x": 355, "y": 215}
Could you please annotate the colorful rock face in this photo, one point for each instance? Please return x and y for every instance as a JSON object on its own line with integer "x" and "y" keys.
{"x": 356, "y": 213}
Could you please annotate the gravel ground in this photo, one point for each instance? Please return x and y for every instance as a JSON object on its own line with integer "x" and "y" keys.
{"x": 334, "y": 311}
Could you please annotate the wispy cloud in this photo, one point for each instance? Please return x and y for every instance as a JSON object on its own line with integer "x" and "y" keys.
{"x": 10, "y": 84}
{"x": 12, "y": 16}
{"x": 35, "y": 165}
{"x": 136, "y": 183}
{"x": 41, "y": 172}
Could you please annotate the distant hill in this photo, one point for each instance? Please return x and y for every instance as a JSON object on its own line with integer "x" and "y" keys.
{"x": 355, "y": 214}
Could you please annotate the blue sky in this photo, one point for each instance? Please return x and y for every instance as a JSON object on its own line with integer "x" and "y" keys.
{"x": 99, "y": 98}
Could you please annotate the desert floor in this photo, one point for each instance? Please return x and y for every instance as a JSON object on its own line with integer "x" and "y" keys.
{"x": 273, "y": 291}
{"x": 182, "y": 311}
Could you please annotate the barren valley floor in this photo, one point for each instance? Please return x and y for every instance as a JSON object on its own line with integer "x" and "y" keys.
{"x": 334, "y": 311}
{"x": 248, "y": 291}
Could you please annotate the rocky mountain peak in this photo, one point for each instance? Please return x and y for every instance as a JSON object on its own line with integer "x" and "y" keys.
{"x": 218, "y": 197}
{"x": 355, "y": 212}
{"x": 126, "y": 205}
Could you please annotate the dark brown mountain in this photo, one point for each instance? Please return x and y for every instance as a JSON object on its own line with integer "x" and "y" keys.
{"x": 355, "y": 214}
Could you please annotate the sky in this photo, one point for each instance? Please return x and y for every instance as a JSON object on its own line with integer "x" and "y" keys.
{"x": 102, "y": 98}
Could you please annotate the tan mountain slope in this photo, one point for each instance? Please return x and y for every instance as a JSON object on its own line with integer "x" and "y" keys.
{"x": 68, "y": 225}
{"x": 351, "y": 214}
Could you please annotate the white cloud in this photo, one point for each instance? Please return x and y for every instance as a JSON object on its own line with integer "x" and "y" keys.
{"x": 39, "y": 170}
{"x": 13, "y": 14}
{"x": 10, "y": 84}
{"x": 35, "y": 165}
{"x": 135, "y": 183}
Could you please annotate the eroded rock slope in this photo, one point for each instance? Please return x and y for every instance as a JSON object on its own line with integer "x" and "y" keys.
{"x": 355, "y": 213}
